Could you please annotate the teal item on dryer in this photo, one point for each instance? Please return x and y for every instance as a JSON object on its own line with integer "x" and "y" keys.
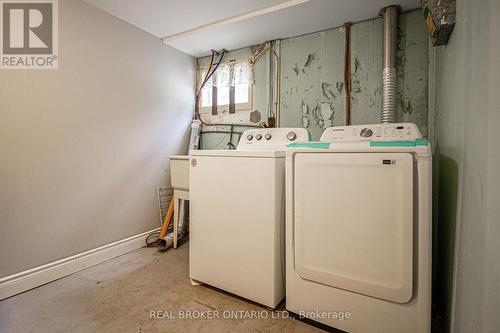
{"x": 320, "y": 145}
{"x": 417, "y": 142}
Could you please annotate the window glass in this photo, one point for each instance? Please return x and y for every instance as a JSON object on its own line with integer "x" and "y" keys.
{"x": 241, "y": 93}
{"x": 222, "y": 80}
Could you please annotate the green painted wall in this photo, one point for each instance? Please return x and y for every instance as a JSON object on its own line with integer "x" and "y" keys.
{"x": 312, "y": 78}
{"x": 313, "y": 91}
{"x": 467, "y": 159}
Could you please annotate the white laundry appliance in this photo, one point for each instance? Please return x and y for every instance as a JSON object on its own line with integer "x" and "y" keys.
{"x": 237, "y": 240}
{"x": 358, "y": 229}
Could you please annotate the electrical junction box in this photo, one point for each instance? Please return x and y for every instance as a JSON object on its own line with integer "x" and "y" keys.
{"x": 440, "y": 19}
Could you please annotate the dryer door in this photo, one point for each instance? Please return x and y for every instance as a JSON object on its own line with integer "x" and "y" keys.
{"x": 353, "y": 222}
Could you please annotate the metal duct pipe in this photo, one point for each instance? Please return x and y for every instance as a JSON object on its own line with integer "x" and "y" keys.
{"x": 390, "y": 15}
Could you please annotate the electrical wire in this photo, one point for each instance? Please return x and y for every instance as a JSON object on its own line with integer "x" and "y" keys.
{"x": 203, "y": 82}
{"x": 209, "y": 74}
{"x": 217, "y": 64}
{"x": 152, "y": 243}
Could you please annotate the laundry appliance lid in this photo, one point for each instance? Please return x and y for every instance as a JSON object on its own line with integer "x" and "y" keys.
{"x": 239, "y": 153}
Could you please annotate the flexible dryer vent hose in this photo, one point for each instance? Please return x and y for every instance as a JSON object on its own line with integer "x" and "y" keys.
{"x": 390, "y": 15}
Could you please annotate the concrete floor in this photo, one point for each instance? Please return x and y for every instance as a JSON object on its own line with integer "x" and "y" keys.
{"x": 119, "y": 295}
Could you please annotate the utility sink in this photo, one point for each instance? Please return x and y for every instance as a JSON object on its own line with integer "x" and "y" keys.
{"x": 179, "y": 172}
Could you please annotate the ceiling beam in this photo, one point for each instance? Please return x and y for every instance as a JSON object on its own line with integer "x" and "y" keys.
{"x": 234, "y": 19}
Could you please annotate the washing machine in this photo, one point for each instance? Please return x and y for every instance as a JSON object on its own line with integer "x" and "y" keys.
{"x": 237, "y": 240}
{"x": 358, "y": 229}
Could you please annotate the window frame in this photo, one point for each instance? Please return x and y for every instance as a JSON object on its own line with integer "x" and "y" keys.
{"x": 224, "y": 108}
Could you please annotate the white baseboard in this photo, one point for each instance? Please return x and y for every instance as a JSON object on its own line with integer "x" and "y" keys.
{"x": 34, "y": 277}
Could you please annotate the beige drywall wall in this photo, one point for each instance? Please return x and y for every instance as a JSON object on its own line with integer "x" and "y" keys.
{"x": 467, "y": 119}
{"x": 83, "y": 147}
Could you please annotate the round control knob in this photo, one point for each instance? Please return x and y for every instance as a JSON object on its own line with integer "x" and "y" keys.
{"x": 366, "y": 133}
{"x": 249, "y": 137}
{"x": 268, "y": 136}
{"x": 258, "y": 136}
{"x": 291, "y": 136}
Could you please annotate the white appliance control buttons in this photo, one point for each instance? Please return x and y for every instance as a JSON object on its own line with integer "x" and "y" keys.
{"x": 274, "y": 138}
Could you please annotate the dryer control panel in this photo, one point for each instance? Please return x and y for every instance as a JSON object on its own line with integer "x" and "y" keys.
{"x": 271, "y": 138}
{"x": 372, "y": 132}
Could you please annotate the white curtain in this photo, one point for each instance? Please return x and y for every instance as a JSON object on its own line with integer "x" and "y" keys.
{"x": 230, "y": 74}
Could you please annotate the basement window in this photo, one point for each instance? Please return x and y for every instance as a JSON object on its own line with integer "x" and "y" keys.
{"x": 232, "y": 85}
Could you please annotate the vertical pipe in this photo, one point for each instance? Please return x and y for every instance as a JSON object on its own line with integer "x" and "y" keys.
{"x": 347, "y": 72}
{"x": 232, "y": 88}
{"x": 390, "y": 15}
{"x": 269, "y": 65}
{"x": 278, "y": 81}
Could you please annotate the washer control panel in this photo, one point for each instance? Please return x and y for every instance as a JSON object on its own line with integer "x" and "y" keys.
{"x": 271, "y": 138}
{"x": 373, "y": 132}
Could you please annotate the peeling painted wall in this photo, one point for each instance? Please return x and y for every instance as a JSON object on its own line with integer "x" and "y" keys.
{"x": 312, "y": 77}
{"x": 313, "y": 91}
{"x": 412, "y": 71}
{"x": 366, "y": 72}
{"x": 467, "y": 159}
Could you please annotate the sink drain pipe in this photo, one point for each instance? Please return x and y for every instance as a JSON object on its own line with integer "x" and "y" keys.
{"x": 390, "y": 16}
{"x": 168, "y": 241}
